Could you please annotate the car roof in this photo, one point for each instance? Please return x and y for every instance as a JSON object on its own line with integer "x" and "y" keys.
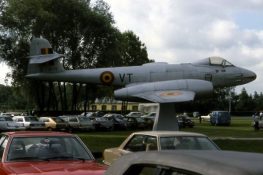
{"x": 203, "y": 162}
{"x": 37, "y": 133}
{"x": 168, "y": 133}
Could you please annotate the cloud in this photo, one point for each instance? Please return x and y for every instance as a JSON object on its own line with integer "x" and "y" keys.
{"x": 4, "y": 70}
{"x": 178, "y": 31}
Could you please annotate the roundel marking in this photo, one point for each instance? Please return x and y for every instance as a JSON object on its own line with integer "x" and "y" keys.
{"x": 106, "y": 77}
{"x": 171, "y": 94}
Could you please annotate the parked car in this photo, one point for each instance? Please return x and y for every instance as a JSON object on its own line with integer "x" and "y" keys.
{"x": 30, "y": 122}
{"x": 118, "y": 121}
{"x": 88, "y": 114}
{"x": 257, "y": 123}
{"x": 149, "y": 119}
{"x": 102, "y": 123}
{"x": 185, "y": 121}
{"x": 135, "y": 123}
{"x": 134, "y": 114}
{"x": 206, "y": 117}
{"x": 36, "y": 152}
{"x": 196, "y": 114}
{"x": 188, "y": 163}
{"x": 98, "y": 114}
{"x": 7, "y": 124}
{"x": 6, "y": 114}
{"x": 220, "y": 118}
{"x": 151, "y": 115}
{"x": 159, "y": 140}
{"x": 78, "y": 122}
{"x": 55, "y": 123}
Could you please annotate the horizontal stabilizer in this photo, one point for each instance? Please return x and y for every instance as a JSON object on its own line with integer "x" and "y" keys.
{"x": 39, "y": 59}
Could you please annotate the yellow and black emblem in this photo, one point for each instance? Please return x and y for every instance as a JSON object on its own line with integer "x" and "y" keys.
{"x": 45, "y": 51}
{"x": 107, "y": 77}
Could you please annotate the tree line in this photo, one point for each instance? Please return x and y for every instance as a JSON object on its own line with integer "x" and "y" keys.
{"x": 11, "y": 98}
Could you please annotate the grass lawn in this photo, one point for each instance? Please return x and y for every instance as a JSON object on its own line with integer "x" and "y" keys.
{"x": 240, "y": 128}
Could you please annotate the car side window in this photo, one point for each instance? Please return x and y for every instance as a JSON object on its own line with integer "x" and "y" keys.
{"x": 135, "y": 144}
{"x": 19, "y": 120}
{"x": 141, "y": 143}
{"x": 45, "y": 120}
{"x": 73, "y": 120}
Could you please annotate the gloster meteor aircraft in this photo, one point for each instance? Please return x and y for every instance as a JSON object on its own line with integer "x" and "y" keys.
{"x": 155, "y": 82}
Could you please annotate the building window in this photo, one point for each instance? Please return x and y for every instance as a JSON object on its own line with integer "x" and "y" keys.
{"x": 103, "y": 107}
{"x": 123, "y": 108}
{"x": 94, "y": 108}
{"x": 114, "y": 108}
{"x": 134, "y": 108}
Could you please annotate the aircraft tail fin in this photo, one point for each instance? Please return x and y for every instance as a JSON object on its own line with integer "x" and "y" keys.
{"x": 42, "y": 58}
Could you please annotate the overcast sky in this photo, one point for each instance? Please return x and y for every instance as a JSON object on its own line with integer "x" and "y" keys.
{"x": 184, "y": 31}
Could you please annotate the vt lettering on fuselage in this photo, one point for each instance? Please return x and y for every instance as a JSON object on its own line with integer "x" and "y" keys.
{"x": 155, "y": 82}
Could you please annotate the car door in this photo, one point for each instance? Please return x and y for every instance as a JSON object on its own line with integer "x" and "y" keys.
{"x": 74, "y": 123}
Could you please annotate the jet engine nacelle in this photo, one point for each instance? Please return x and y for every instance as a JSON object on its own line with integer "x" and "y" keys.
{"x": 166, "y": 91}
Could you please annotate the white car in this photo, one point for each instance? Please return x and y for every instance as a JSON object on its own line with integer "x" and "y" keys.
{"x": 188, "y": 162}
{"x": 151, "y": 115}
{"x": 206, "y": 117}
{"x": 159, "y": 140}
{"x": 30, "y": 122}
{"x": 7, "y": 124}
{"x": 135, "y": 114}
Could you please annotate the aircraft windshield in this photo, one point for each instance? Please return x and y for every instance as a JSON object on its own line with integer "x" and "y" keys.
{"x": 215, "y": 61}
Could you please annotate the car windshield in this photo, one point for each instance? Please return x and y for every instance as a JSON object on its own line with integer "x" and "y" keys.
{"x": 6, "y": 119}
{"x": 47, "y": 149}
{"x": 187, "y": 142}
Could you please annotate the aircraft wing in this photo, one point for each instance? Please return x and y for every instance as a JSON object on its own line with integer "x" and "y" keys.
{"x": 165, "y": 91}
{"x": 167, "y": 96}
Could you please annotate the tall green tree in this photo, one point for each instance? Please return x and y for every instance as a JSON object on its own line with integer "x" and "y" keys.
{"x": 133, "y": 51}
{"x": 245, "y": 102}
{"x": 84, "y": 32}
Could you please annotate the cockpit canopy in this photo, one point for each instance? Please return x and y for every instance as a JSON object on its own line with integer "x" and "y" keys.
{"x": 214, "y": 61}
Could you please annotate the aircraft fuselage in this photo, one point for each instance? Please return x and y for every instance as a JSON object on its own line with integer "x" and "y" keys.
{"x": 219, "y": 76}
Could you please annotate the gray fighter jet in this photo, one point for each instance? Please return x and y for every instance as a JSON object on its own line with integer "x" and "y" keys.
{"x": 155, "y": 82}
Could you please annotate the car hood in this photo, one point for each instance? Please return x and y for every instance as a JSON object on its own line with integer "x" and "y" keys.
{"x": 55, "y": 168}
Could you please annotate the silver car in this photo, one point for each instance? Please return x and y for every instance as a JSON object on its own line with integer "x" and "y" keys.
{"x": 159, "y": 140}
{"x": 101, "y": 123}
{"x": 7, "y": 124}
{"x": 78, "y": 122}
{"x": 188, "y": 162}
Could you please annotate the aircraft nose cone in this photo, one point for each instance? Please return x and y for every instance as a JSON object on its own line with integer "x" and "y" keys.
{"x": 248, "y": 75}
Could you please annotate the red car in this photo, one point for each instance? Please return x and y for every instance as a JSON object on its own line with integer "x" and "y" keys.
{"x": 50, "y": 153}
